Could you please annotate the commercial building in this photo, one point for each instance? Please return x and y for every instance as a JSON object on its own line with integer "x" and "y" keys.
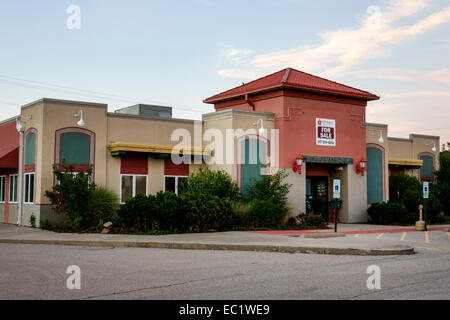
{"x": 312, "y": 127}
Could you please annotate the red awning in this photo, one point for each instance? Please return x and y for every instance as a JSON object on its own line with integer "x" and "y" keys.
{"x": 9, "y": 158}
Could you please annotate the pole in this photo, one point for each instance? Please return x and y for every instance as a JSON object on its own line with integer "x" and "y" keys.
{"x": 19, "y": 181}
{"x": 335, "y": 215}
{"x": 425, "y": 213}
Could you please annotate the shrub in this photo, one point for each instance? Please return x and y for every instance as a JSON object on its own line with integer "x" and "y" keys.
{"x": 32, "y": 221}
{"x": 387, "y": 212}
{"x": 70, "y": 196}
{"x": 83, "y": 203}
{"x": 137, "y": 214}
{"x": 103, "y": 205}
{"x": 262, "y": 213}
{"x": 271, "y": 188}
{"x": 169, "y": 212}
{"x": 207, "y": 197}
{"x": 408, "y": 191}
{"x": 44, "y": 224}
{"x": 214, "y": 183}
{"x": 206, "y": 212}
{"x": 315, "y": 220}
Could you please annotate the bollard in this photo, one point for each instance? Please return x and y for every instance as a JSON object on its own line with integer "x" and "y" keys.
{"x": 420, "y": 225}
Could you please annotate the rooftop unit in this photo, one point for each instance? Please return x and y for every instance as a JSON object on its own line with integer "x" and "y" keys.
{"x": 147, "y": 110}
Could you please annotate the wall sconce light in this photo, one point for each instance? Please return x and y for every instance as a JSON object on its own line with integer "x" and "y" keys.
{"x": 81, "y": 122}
{"x": 431, "y": 144}
{"x": 261, "y": 130}
{"x": 298, "y": 163}
{"x": 361, "y": 167}
{"x": 381, "y": 140}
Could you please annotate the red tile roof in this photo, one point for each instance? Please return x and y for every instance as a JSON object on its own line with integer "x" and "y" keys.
{"x": 292, "y": 79}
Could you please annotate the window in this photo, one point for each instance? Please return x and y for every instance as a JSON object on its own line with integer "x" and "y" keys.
{"x": 173, "y": 183}
{"x": 30, "y": 146}
{"x": 2, "y": 189}
{"x": 75, "y": 149}
{"x": 13, "y": 188}
{"x": 131, "y": 186}
{"x": 29, "y": 188}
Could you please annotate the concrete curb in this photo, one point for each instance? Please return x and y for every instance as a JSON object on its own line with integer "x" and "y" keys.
{"x": 322, "y": 235}
{"x": 404, "y": 250}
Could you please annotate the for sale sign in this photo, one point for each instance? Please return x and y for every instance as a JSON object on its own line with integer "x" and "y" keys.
{"x": 326, "y": 132}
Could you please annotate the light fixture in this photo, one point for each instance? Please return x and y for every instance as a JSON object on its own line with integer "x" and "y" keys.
{"x": 20, "y": 126}
{"x": 298, "y": 164}
{"x": 261, "y": 130}
{"x": 81, "y": 122}
{"x": 361, "y": 167}
{"x": 381, "y": 140}
{"x": 434, "y": 149}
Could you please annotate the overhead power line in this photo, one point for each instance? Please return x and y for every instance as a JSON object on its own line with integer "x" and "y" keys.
{"x": 87, "y": 93}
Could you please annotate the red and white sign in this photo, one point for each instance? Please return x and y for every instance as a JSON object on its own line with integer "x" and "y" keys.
{"x": 325, "y": 132}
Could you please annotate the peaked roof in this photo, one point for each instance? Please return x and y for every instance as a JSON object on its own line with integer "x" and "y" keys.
{"x": 292, "y": 79}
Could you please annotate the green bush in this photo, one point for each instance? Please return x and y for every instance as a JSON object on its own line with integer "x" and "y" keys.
{"x": 70, "y": 196}
{"x": 206, "y": 212}
{"x": 169, "y": 212}
{"x": 271, "y": 188}
{"x": 408, "y": 191}
{"x": 388, "y": 213}
{"x": 315, "y": 220}
{"x": 215, "y": 183}
{"x": 32, "y": 221}
{"x": 103, "y": 205}
{"x": 44, "y": 224}
{"x": 262, "y": 213}
{"x": 81, "y": 201}
{"x": 138, "y": 214}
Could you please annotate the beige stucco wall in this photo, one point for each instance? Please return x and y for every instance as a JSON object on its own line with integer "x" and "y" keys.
{"x": 412, "y": 148}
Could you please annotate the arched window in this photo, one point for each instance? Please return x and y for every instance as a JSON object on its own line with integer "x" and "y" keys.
{"x": 30, "y": 149}
{"x": 426, "y": 171}
{"x": 253, "y": 161}
{"x": 375, "y": 173}
{"x": 75, "y": 147}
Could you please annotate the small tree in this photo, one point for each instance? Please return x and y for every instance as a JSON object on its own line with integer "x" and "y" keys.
{"x": 271, "y": 188}
{"x": 83, "y": 204}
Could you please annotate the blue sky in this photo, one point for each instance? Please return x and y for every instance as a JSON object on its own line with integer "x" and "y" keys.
{"x": 180, "y": 52}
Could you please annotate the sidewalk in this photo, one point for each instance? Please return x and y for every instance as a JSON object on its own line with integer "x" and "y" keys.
{"x": 237, "y": 241}
{"x": 352, "y": 229}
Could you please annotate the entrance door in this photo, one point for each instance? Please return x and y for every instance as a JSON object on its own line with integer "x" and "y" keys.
{"x": 317, "y": 195}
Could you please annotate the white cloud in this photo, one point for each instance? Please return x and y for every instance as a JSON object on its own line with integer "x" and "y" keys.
{"x": 343, "y": 49}
{"x": 412, "y": 94}
{"x": 442, "y": 76}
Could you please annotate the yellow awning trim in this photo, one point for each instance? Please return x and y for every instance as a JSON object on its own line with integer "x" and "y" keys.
{"x": 406, "y": 162}
{"x": 155, "y": 148}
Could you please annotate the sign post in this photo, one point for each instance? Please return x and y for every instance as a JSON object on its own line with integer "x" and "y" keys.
{"x": 426, "y": 195}
{"x": 336, "y": 196}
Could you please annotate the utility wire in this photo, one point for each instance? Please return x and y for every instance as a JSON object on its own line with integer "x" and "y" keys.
{"x": 88, "y": 93}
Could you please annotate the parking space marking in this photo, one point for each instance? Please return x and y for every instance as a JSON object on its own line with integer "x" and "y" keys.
{"x": 448, "y": 234}
{"x": 380, "y": 235}
{"x": 427, "y": 238}
{"x": 403, "y": 237}
{"x": 357, "y": 235}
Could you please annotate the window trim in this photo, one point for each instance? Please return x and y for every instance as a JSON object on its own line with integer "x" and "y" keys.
{"x": 16, "y": 187}
{"x": 176, "y": 181}
{"x": 4, "y": 186}
{"x": 133, "y": 192}
{"x": 29, "y": 186}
